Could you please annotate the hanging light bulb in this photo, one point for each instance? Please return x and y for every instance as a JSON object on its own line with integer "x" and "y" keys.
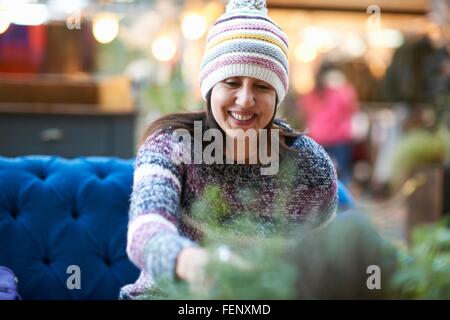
{"x": 164, "y": 48}
{"x": 105, "y": 27}
{"x": 385, "y": 38}
{"x": 305, "y": 52}
{"x": 4, "y": 21}
{"x": 193, "y": 26}
{"x": 29, "y": 14}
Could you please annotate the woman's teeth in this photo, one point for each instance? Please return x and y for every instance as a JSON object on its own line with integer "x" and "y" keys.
{"x": 241, "y": 117}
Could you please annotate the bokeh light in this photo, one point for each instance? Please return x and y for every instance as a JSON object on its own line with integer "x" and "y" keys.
{"x": 164, "y": 48}
{"x": 105, "y": 28}
{"x": 193, "y": 26}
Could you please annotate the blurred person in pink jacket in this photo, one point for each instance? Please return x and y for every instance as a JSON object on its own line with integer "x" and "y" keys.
{"x": 327, "y": 112}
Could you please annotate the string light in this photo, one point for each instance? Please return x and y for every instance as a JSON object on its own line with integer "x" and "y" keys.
{"x": 4, "y": 21}
{"x": 193, "y": 26}
{"x": 105, "y": 27}
{"x": 28, "y": 14}
{"x": 305, "y": 53}
{"x": 164, "y": 48}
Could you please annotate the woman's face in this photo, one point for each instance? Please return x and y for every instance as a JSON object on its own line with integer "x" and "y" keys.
{"x": 243, "y": 103}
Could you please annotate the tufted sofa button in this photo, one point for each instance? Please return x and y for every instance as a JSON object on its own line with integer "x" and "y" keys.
{"x": 108, "y": 262}
{"x": 46, "y": 261}
{"x": 101, "y": 175}
{"x": 75, "y": 214}
{"x": 41, "y": 175}
{"x": 14, "y": 213}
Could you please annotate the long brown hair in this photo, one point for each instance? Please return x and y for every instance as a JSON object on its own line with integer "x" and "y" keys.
{"x": 185, "y": 120}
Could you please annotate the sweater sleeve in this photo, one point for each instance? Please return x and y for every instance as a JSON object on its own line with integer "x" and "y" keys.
{"x": 314, "y": 196}
{"x": 154, "y": 242}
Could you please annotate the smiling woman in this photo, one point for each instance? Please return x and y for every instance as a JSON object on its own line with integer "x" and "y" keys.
{"x": 243, "y": 78}
{"x": 243, "y": 102}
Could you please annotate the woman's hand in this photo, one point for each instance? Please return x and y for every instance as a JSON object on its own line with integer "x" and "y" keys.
{"x": 191, "y": 267}
{"x": 191, "y": 263}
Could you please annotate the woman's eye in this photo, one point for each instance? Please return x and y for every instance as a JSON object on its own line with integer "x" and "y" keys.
{"x": 263, "y": 87}
{"x": 231, "y": 84}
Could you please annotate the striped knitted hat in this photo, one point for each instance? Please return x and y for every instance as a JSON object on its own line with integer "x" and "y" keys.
{"x": 245, "y": 42}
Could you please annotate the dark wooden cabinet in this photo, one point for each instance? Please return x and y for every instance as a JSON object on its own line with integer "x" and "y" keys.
{"x": 67, "y": 134}
{"x": 68, "y": 115}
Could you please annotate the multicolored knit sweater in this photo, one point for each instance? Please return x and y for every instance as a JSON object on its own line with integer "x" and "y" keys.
{"x": 163, "y": 193}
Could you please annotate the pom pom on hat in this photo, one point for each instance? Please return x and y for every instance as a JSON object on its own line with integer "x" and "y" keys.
{"x": 244, "y": 5}
{"x": 245, "y": 42}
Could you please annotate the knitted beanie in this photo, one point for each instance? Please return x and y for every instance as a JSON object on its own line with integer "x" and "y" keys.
{"x": 245, "y": 42}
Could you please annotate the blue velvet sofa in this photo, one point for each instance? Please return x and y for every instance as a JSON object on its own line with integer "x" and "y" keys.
{"x": 61, "y": 219}
{"x": 56, "y": 214}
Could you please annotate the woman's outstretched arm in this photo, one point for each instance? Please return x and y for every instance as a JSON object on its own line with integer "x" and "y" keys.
{"x": 154, "y": 241}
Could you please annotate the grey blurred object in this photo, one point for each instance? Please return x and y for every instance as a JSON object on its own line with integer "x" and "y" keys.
{"x": 337, "y": 262}
{"x": 441, "y": 11}
{"x": 386, "y": 132}
{"x": 140, "y": 72}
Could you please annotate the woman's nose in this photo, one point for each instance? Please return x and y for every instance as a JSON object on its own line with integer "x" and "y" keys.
{"x": 245, "y": 97}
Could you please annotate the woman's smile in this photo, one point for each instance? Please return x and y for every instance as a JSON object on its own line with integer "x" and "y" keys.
{"x": 242, "y": 118}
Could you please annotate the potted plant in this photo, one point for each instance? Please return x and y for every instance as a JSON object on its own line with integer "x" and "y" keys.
{"x": 420, "y": 162}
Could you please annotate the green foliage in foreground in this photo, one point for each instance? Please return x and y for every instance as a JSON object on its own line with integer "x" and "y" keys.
{"x": 294, "y": 261}
{"x": 425, "y": 272}
{"x": 316, "y": 264}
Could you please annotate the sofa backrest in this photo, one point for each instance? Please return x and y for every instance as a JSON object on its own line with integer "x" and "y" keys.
{"x": 63, "y": 225}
